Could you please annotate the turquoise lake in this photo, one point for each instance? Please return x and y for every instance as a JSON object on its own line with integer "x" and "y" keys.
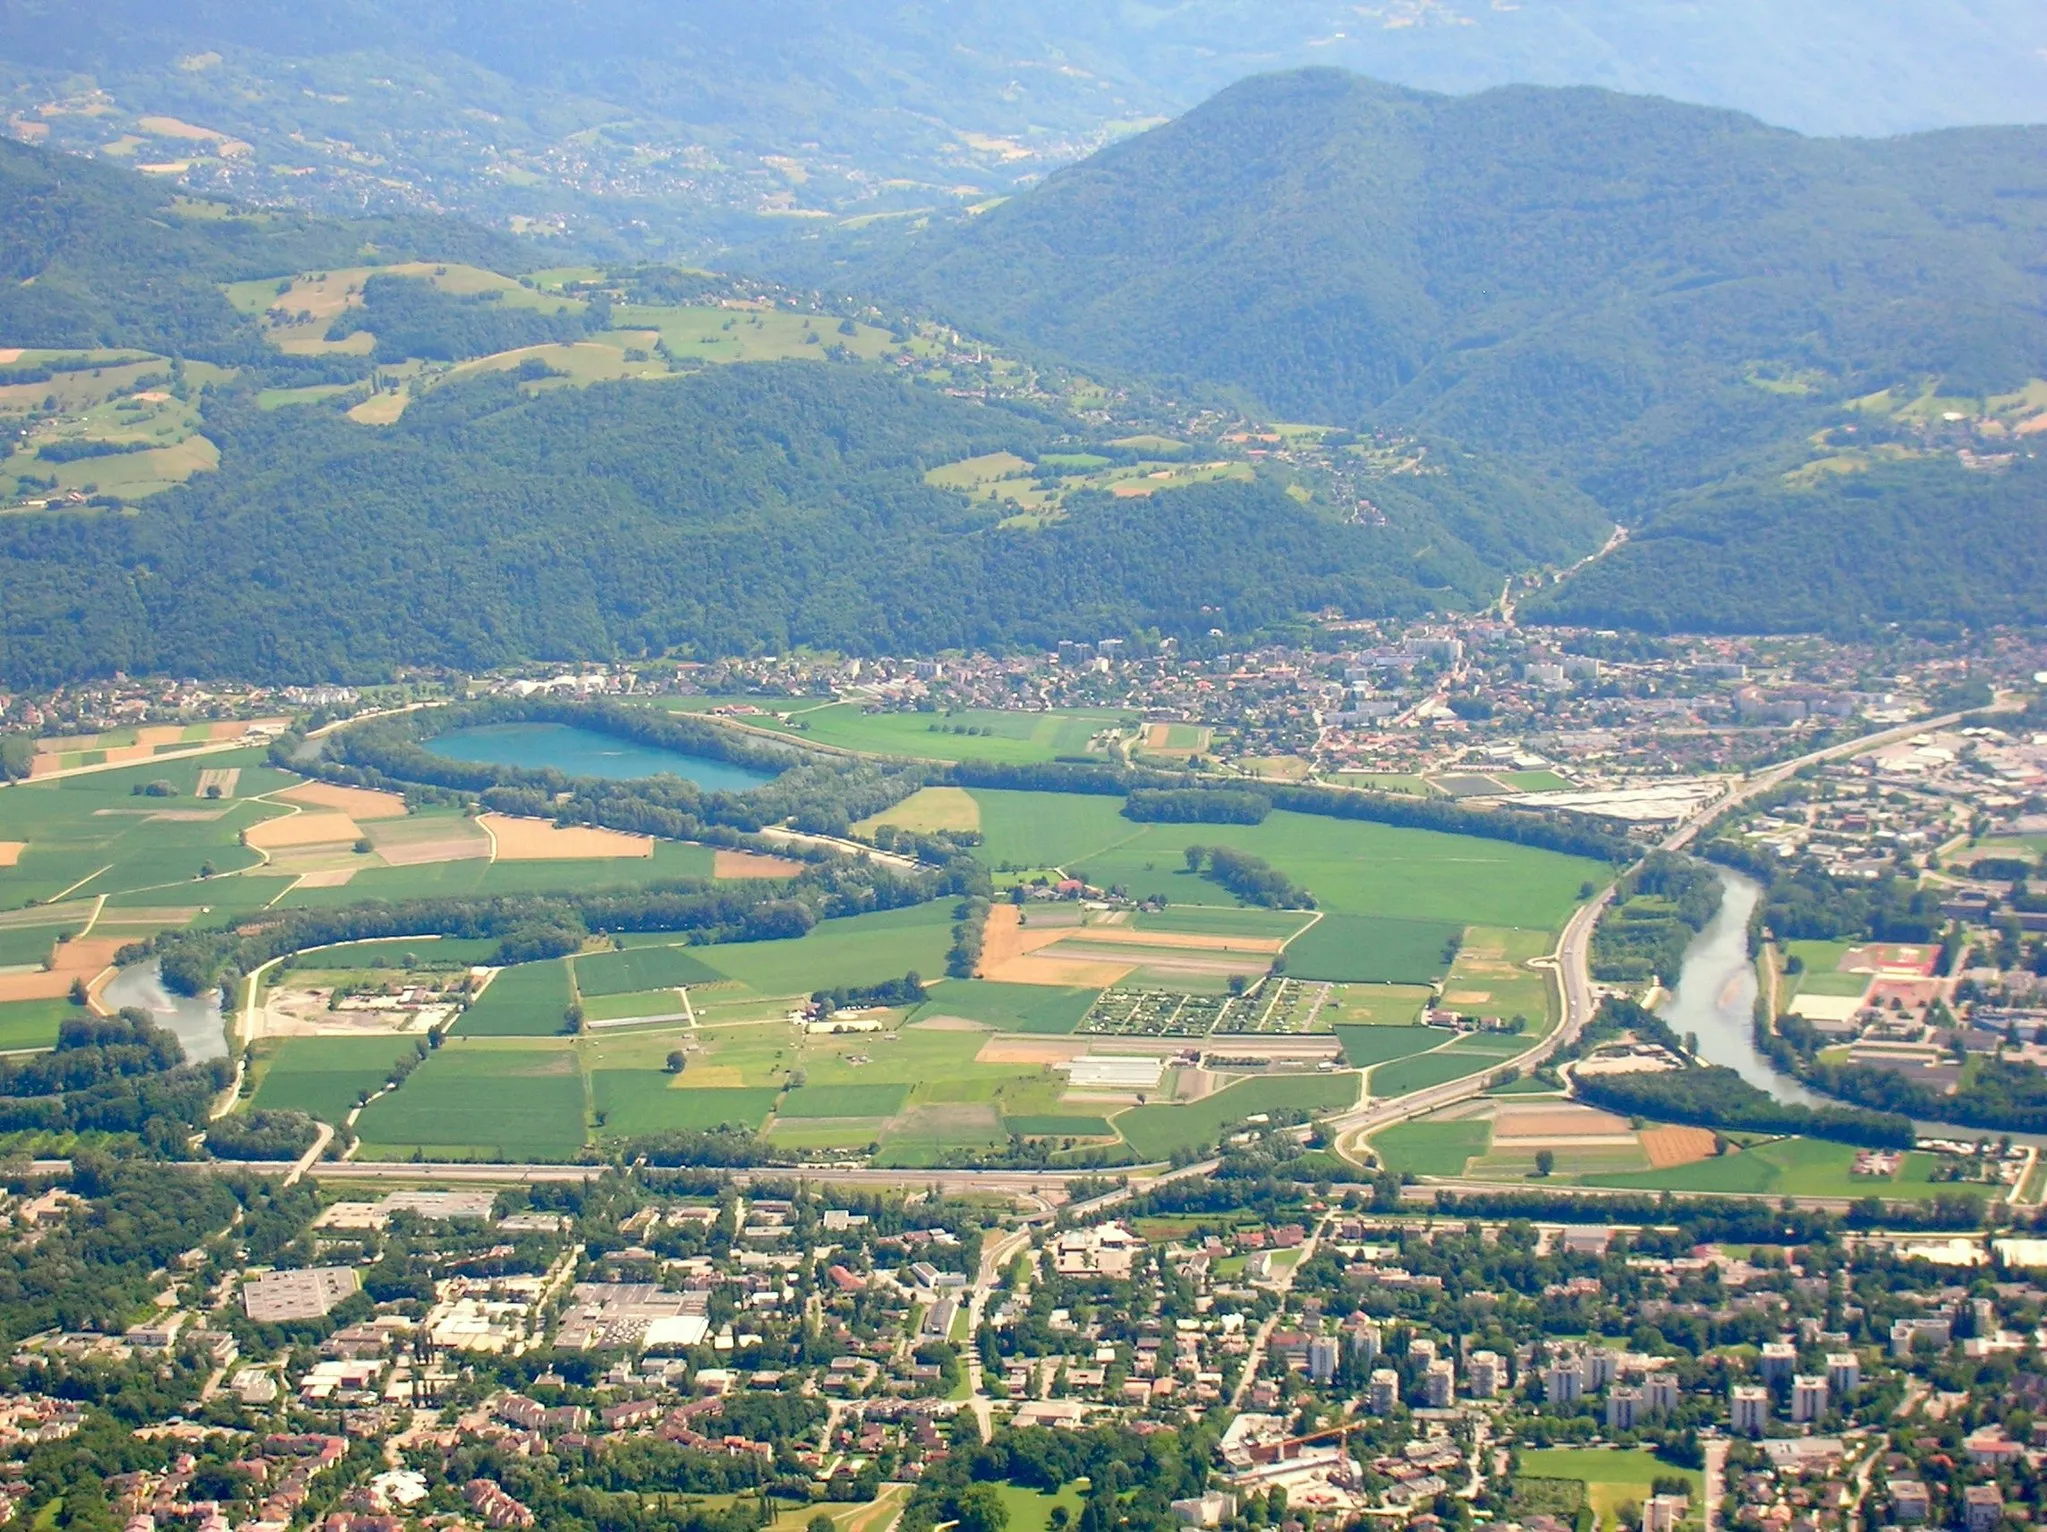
{"x": 585, "y": 753}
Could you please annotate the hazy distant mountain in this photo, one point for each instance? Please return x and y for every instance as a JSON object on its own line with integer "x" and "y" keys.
{"x": 665, "y": 122}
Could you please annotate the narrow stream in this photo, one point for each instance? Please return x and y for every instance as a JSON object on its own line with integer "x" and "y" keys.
{"x": 1716, "y": 995}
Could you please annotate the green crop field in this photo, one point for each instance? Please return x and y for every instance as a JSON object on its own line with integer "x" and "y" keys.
{"x": 325, "y": 1076}
{"x": 646, "y": 1003}
{"x": 926, "y": 1135}
{"x": 876, "y": 1100}
{"x": 473, "y": 1100}
{"x": 29, "y": 946}
{"x": 531, "y": 1000}
{"x": 671, "y": 859}
{"x": 640, "y": 968}
{"x": 1611, "y": 1476}
{"x": 1433, "y": 1148}
{"x": 1365, "y": 1046}
{"x": 1215, "y": 920}
{"x": 1804, "y": 1167}
{"x": 1425, "y": 1069}
{"x": 635, "y": 1101}
{"x": 1058, "y": 1125}
{"x": 95, "y": 834}
{"x": 862, "y": 949}
{"x": 1009, "y": 1007}
{"x": 1372, "y": 949}
{"x": 33, "y": 1023}
{"x": 1156, "y": 1131}
{"x": 1352, "y": 867}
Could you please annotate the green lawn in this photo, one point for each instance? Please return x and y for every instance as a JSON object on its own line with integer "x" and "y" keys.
{"x": 1352, "y": 867}
{"x": 1611, "y": 1476}
{"x": 1156, "y": 1131}
{"x": 639, "y": 969}
{"x": 861, "y": 949}
{"x": 325, "y": 1076}
{"x": 1009, "y": 1007}
{"x": 1376, "y": 1005}
{"x": 478, "y": 1100}
{"x": 1372, "y": 949}
{"x": 1791, "y": 1166}
{"x": 1030, "y": 1510}
{"x": 1533, "y": 781}
{"x": 875, "y": 1100}
{"x": 635, "y": 1101}
{"x": 1433, "y": 1148}
{"x": 531, "y": 1000}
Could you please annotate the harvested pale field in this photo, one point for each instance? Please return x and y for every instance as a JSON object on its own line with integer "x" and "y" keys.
{"x": 929, "y": 811}
{"x": 751, "y": 864}
{"x": 156, "y": 734}
{"x": 302, "y": 830}
{"x": 1029, "y": 1050}
{"x": 10, "y": 851}
{"x": 219, "y": 781}
{"x": 417, "y": 842}
{"x": 1548, "y": 1120}
{"x": 185, "y": 816}
{"x": 541, "y": 840}
{"x": 1677, "y": 1146}
{"x": 326, "y": 877}
{"x": 712, "y": 1077}
{"x": 358, "y": 803}
{"x": 82, "y": 957}
{"x": 942, "y": 1023}
{"x": 1467, "y": 996}
{"x": 1007, "y": 938}
{"x": 1059, "y": 973}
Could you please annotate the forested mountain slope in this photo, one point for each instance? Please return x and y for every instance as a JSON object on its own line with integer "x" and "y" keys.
{"x": 749, "y": 507}
{"x": 1644, "y": 294}
{"x": 681, "y": 123}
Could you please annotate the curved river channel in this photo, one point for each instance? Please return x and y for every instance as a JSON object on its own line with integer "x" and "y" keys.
{"x": 1716, "y": 995}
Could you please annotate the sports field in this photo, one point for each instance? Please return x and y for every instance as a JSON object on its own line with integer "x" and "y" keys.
{"x": 1611, "y": 1476}
{"x": 1352, "y": 867}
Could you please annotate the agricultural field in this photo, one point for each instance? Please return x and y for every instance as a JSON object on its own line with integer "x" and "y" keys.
{"x": 635, "y": 1101}
{"x": 33, "y": 1023}
{"x": 1491, "y": 977}
{"x": 478, "y": 1098}
{"x": 531, "y": 1000}
{"x": 1374, "y": 949}
{"x": 1364, "y": 1047}
{"x": 639, "y": 969}
{"x": 1432, "y": 1147}
{"x": 323, "y": 1077}
{"x": 125, "y": 426}
{"x": 1038, "y": 491}
{"x": 930, "y": 811}
{"x": 1467, "y": 1056}
{"x": 1378, "y": 1005}
{"x": 1790, "y": 1166}
{"x": 1007, "y": 1007}
{"x": 1352, "y": 867}
{"x": 862, "y": 949}
{"x": 1155, "y": 1132}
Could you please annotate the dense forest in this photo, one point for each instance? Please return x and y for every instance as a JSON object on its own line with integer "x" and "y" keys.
{"x": 748, "y": 508}
{"x": 411, "y": 317}
{"x": 1910, "y": 543}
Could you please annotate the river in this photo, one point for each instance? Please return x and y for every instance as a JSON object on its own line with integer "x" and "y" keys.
{"x": 1716, "y": 995}
{"x": 197, "y": 1023}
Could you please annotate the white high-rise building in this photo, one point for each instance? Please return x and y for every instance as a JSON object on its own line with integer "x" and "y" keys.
{"x": 1624, "y": 1408}
{"x": 1844, "y": 1372}
{"x": 1750, "y": 1407}
{"x": 1488, "y": 1374}
{"x": 1780, "y": 1361}
{"x": 1384, "y": 1392}
{"x": 1808, "y": 1397}
{"x": 1439, "y": 1383}
{"x": 1367, "y": 1341}
{"x": 1600, "y": 1368}
{"x": 1564, "y": 1383}
{"x": 1659, "y": 1392}
{"x": 1321, "y": 1358}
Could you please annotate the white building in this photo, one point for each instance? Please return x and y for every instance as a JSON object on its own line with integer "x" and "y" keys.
{"x": 1439, "y": 1383}
{"x": 1750, "y": 1407}
{"x": 1625, "y": 1406}
{"x": 1808, "y": 1397}
{"x": 1384, "y": 1392}
{"x": 1488, "y": 1374}
{"x": 1844, "y": 1372}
